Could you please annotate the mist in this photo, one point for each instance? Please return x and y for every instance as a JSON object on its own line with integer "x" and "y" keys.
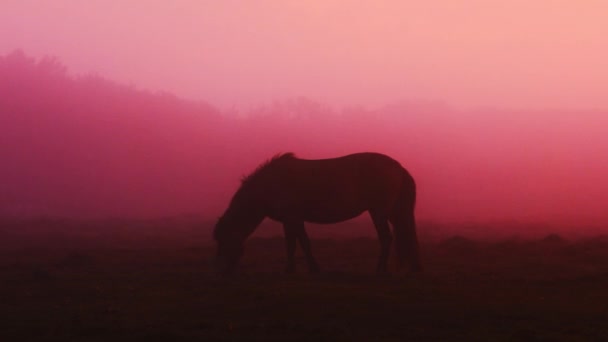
{"x": 149, "y": 109}
{"x": 86, "y": 146}
{"x": 520, "y": 54}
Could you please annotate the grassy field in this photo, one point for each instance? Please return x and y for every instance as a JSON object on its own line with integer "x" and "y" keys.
{"x": 129, "y": 281}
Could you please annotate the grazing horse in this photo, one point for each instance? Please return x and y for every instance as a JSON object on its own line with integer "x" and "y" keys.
{"x": 293, "y": 191}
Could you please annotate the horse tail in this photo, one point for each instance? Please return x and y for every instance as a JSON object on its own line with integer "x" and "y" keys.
{"x": 404, "y": 223}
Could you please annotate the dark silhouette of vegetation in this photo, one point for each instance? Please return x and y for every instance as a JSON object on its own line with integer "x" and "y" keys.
{"x": 88, "y": 146}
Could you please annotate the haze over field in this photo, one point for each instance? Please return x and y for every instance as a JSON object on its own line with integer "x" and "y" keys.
{"x": 497, "y": 108}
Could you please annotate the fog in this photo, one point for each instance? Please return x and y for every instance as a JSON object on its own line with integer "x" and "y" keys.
{"x": 150, "y": 109}
{"x": 515, "y": 54}
{"x": 90, "y": 147}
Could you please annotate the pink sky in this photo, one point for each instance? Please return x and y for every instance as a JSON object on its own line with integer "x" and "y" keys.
{"x": 468, "y": 53}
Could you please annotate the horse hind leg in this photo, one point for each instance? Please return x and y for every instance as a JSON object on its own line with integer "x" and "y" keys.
{"x": 385, "y": 238}
{"x": 406, "y": 239}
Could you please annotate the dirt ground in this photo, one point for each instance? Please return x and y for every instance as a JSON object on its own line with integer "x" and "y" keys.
{"x": 128, "y": 281}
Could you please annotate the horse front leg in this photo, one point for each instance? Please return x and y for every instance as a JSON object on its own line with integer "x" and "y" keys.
{"x": 313, "y": 267}
{"x": 290, "y": 242}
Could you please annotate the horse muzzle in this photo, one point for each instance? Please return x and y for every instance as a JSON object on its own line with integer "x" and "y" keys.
{"x": 223, "y": 267}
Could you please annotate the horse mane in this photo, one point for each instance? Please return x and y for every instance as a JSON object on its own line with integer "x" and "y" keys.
{"x": 265, "y": 165}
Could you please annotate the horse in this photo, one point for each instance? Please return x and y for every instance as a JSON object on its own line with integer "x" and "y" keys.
{"x": 293, "y": 191}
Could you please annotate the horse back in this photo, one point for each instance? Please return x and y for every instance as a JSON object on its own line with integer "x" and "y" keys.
{"x": 328, "y": 190}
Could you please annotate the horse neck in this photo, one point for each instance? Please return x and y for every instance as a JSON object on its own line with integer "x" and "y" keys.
{"x": 248, "y": 206}
{"x": 254, "y": 194}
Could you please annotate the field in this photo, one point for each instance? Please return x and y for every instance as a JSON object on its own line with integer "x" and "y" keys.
{"x": 126, "y": 280}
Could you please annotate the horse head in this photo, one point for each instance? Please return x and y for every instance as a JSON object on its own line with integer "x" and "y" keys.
{"x": 229, "y": 245}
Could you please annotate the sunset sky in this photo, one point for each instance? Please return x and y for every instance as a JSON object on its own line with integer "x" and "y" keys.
{"x": 467, "y": 53}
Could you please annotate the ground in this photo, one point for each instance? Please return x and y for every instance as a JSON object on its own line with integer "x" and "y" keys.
{"x": 125, "y": 280}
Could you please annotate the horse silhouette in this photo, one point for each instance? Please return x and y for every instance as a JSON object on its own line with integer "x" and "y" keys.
{"x": 292, "y": 191}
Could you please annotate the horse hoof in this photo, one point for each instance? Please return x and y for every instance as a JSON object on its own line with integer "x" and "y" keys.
{"x": 382, "y": 270}
{"x": 416, "y": 269}
{"x": 383, "y": 274}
